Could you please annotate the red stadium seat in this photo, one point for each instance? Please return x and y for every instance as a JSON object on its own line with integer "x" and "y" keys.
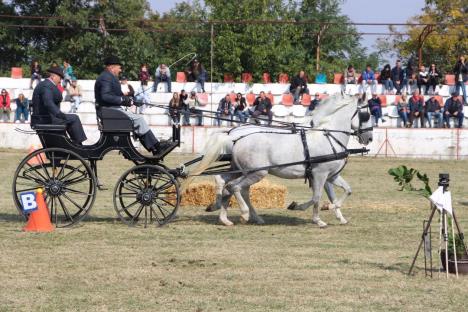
{"x": 283, "y": 78}
{"x": 228, "y": 78}
{"x": 359, "y": 78}
{"x": 233, "y": 97}
{"x": 306, "y": 99}
{"x": 383, "y": 100}
{"x": 287, "y": 99}
{"x": 250, "y": 98}
{"x": 246, "y": 77}
{"x": 377, "y": 76}
{"x": 397, "y": 99}
{"x": 450, "y": 80}
{"x": 181, "y": 77}
{"x": 202, "y": 98}
{"x": 338, "y": 78}
{"x": 323, "y": 96}
{"x": 16, "y": 72}
{"x": 266, "y": 78}
{"x": 440, "y": 100}
{"x": 271, "y": 97}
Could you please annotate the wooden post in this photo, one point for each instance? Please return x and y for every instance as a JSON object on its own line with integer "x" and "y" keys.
{"x": 319, "y": 39}
{"x": 422, "y": 37}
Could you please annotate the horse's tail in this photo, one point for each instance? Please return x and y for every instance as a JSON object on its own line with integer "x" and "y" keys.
{"x": 215, "y": 146}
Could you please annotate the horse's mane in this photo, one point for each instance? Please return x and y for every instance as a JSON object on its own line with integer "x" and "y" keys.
{"x": 329, "y": 106}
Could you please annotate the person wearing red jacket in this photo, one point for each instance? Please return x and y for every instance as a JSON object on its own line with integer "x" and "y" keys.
{"x": 5, "y": 109}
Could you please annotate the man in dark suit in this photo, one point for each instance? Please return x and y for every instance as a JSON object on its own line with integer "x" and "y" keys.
{"x": 262, "y": 107}
{"x": 108, "y": 93}
{"x": 46, "y": 107}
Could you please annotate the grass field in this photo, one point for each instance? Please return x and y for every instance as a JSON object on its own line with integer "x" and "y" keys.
{"x": 194, "y": 264}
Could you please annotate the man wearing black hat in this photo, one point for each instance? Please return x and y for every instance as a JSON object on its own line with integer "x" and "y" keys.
{"x": 46, "y": 107}
{"x": 453, "y": 108}
{"x": 108, "y": 93}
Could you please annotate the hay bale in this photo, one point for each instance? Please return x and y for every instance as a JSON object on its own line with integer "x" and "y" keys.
{"x": 263, "y": 194}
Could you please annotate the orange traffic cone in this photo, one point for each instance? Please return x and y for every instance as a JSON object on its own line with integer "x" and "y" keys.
{"x": 39, "y": 220}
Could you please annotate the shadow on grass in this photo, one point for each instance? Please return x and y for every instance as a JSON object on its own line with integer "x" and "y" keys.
{"x": 401, "y": 267}
{"x": 11, "y": 217}
{"x": 269, "y": 219}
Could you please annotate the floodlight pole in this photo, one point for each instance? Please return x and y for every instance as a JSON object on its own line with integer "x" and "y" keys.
{"x": 427, "y": 30}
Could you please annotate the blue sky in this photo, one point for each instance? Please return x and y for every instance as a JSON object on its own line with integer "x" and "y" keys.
{"x": 378, "y": 11}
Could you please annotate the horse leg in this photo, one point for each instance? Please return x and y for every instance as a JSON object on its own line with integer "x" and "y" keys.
{"x": 224, "y": 203}
{"x": 245, "y": 192}
{"x": 330, "y": 194}
{"x": 220, "y": 181}
{"x": 317, "y": 187}
{"x": 340, "y": 182}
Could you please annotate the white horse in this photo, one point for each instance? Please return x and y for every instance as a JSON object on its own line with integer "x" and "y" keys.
{"x": 340, "y": 115}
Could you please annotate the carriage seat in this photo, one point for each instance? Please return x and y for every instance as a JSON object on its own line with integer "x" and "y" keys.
{"x": 113, "y": 120}
{"x": 45, "y": 127}
{"x": 44, "y": 123}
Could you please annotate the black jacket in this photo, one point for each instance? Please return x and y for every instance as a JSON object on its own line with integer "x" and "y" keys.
{"x": 107, "y": 90}
{"x": 397, "y": 74}
{"x": 462, "y": 69}
{"x": 298, "y": 82}
{"x": 261, "y": 105}
{"x": 46, "y": 101}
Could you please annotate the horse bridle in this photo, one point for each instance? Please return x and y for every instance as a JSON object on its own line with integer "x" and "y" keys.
{"x": 363, "y": 116}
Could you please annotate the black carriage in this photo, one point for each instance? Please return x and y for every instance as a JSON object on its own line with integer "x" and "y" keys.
{"x": 67, "y": 172}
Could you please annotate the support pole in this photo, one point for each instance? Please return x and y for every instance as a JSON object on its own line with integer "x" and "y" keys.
{"x": 211, "y": 70}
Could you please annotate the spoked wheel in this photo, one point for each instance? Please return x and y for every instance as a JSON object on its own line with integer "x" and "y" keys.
{"x": 146, "y": 194}
{"x": 67, "y": 180}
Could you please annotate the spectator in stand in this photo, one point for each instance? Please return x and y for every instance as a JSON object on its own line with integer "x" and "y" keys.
{"x": 184, "y": 108}
{"x": 408, "y": 78}
{"x": 174, "y": 108}
{"x": 68, "y": 74}
{"x": 368, "y": 79}
{"x": 404, "y": 110}
{"x": 162, "y": 74}
{"x": 196, "y": 73}
{"x": 349, "y": 77}
{"x": 74, "y": 91}
{"x": 224, "y": 109}
{"x": 453, "y": 108}
{"x": 36, "y": 73}
{"x": 313, "y": 104}
{"x": 433, "y": 110}
{"x": 299, "y": 86}
{"x": 240, "y": 108}
{"x": 375, "y": 106}
{"x": 434, "y": 76}
{"x": 22, "y": 108}
{"x": 193, "y": 107}
{"x": 416, "y": 105}
{"x": 422, "y": 79}
{"x": 386, "y": 80}
{"x": 262, "y": 107}
{"x": 5, "y": 108}
{"x": 144, "y": 75}
{"x": 142, "y": 96}
{"x": 461, "y": 76}
{"x": 397, "y": 77}
{"x": 126, "y": 88}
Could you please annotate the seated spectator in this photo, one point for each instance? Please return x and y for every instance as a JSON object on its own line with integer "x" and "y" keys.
{"x": 434, "y": 76}
{"x": 368, "y": 79}
{"x": 193, "y": 108}
{"x": 127, "y": 88}
{"x": 142, "y": 96}
{"x": 5, "y": 108}
{"x": 144, "y": 75}
{"x": 22, "y": 108}
{"x": 416, "y": 105}
{"x": 196, "y": 73}
{"x": 184, "y": 108}
{"x": 36, "y": 73}
{"x": 409, "y": 78}
{"x": 404, "y": 110}
{"x": 461, "y": 76}
{"x": 68, "y": 74}
{"x": 375, "y": 106}
{"x": 298, "y": 86}
{"x": 386, "y": 80}
{"x": 262, "y": 107}
{"x": 174, "y": 108}
{"x": 224, "y": 110}
{"x": 162, "y": 74}
{"x": 397, "y": 77}
{"x": 422, "y": 79}
{"x": 453, "y": 108}
{"x": 313, "y": 104}
{"x": 433, "y": 110}
{"x": 240, "y": 108}
{"x": 349, "y": 76}
{"x": 74, "y": 91}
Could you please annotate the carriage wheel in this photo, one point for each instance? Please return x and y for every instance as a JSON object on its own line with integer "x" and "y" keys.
{"x": 146, "y": 194}
{"x": 68, "y": 182}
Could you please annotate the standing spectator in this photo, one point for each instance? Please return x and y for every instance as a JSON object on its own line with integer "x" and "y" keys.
{"x": 144, "y": 75}
{"x": 74, "y": 91}
{"x": 224, "y": 109}
{"x": 196, "y": 73}
{"x": 404, "y": 110}
{"x": 313, "y": 104}
{"x": 184, "y": 108}
{"x": 22, "y": 108}
{"x": 174, "y": 108}
{"x": 263, "y": 107}
{"x": 126, "y": 88}
{"x": 68, "y": 74}
{"x": 142, "y": 96}
{"x": 298, "y": 86}
{"x": 375, "y": 106}
{"x": 433, "y": 110}
{"x": 422, "y": 79}
{"x": 461, "y": 76}
{"x": 36, "y": 73}
{"x": 434, "y": 76}
{"x": 453, "y": 108}
{"x": 368, "y": 79}
{"x": 397, "y": 77}
{"x": 409, "y": 78}
{"x": 5, "y": 106}
{"x": 162, "y": 74}
{"x": 416, "y": 105}
{"x": 386, "y": 80}
{"x": 240, "y": 108}
{"x": 349, "y": 77}
{"x": 193, "y": 107}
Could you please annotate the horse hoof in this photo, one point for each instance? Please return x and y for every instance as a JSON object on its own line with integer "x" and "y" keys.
{"x": 226, "y": 222}
{"x": 325, "y": 207}
{"x": 320, "y": 223}
{"x": 259, "y": 221}
{"x": 243, "y": 220}
{"x": 343, "y": 221}
{"x": 211, "y": 208}
{"x": 292, "y": 206}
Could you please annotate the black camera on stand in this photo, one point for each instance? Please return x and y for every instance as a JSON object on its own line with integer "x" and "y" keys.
{"x": 444, "y": 180}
